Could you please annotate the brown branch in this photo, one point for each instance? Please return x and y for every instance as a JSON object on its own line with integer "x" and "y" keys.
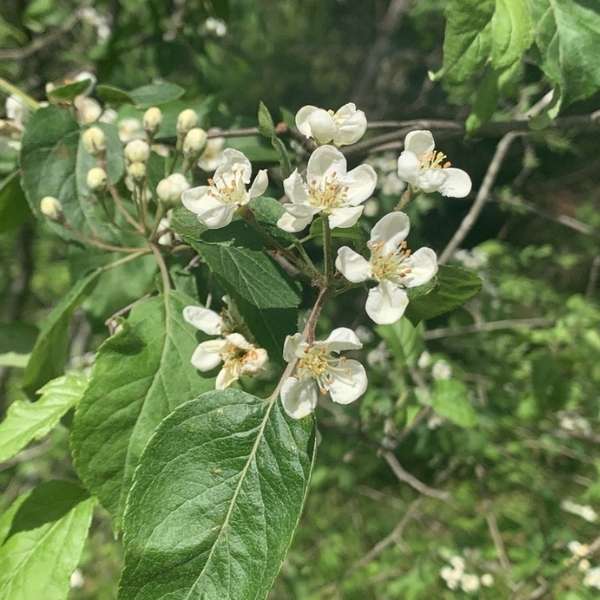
{"x": 442, "y": 332}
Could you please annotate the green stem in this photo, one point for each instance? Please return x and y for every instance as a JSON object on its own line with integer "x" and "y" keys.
{"x": 327, "y": 251}
{"x": 159, "y": 215}
{"x": 164, "y": 273}
{"x": 9, "y": 88}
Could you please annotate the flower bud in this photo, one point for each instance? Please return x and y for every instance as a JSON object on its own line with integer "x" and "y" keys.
{"x": 94, "y": 141}
{"x": 137, "y": 170}
{"x": 194, "y": 142}
{"x": 322, "y": 126}
{"x": 186, "y": 120}
{"x": 51, "y": 208}
{"x": 88, "y": 110}
{"x": 96, "y": 178}
{"x": 137, "y": 151}
{"x": 169, "y": 190}
{"x": 152, "y": 119}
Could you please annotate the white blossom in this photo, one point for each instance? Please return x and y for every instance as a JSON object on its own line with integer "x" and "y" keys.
{"x": 51, "y": 207}
{"x": 94, "y": 141}
{"x": 581, "y": 510}
{"x": 152, "y": 119}
{"x": 130, "y": 129}
{"x": 426, "y": 169}
{"x": 212, "y": 155}
{"x": 578, "y": 549}
{"x": 392, "y": 265}
{"x": 137, "y": 151}
{"x": 88, "y": 109}
{"x": 194, "y": 141}
{"x": 441, "y": 370}
{"x": 487, "y": 580}
{"x": 170, "y": 189}
{"x": 469, "y": 583}
{"x": 186, "y": 120}
{"x": 343, "y": 127}
{"x": 96, "y": 178}
{"x": 592, "y": 578}
{"x": 76, "y": 581}
{"x": 584, "y": 565}
{"x": 238, "y": 355}
{"x": 330, "y": 190}
{"x": 215, "y": 27}
{"x": 424, "y": 360}
{"x": 216, "y": 203}
{"x": 16, "y": 111}
{"x": 320, "y": 368}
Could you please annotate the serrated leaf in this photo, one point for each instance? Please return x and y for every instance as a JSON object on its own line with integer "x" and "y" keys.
{"x": 13, "y": 205}
{"x": 69, "y": 91}
{"x": 140, "y": 375}
{"x": 266, "y": 126}
{"x": 216, "y": 500}
{"x": 267, "y": 212}
{"x": 16, "y": 342}
{"x": 156, "y": 94}
{"x": 44, "y": 544}
{"x": 454, "y": 286}
{"x": 28, "y": 421}
{"x": 238, "y": 260}
{"x": 450, "y": 399}
{"x": 284, "y": 159}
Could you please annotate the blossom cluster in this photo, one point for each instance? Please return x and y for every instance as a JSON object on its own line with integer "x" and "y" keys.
{"x": 456, "y": 577}
{"x": 331, "y": 191}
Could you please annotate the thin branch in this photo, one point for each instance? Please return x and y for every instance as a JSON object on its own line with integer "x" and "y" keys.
{"x": 482, "y": 195}
{"x": 443, "y": 332}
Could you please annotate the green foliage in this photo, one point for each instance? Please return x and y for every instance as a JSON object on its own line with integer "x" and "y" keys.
{"x": 16, "y": 342}
{"x": 450, "y": 399}
{"x": 231, "y": 500}
{"x": 13, "y": 206}
{"x": 69, "y": 91}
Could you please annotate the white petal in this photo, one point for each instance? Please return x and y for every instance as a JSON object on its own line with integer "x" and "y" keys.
{"x": 239, "y": 341}
{"x": 345, "y": 217}
{"x": 204, "y": 319}
{"x": 351, "y": 129}
{"x": 324, "y": 162}
{"x": 322, "y": 126}
{"x": 419, "y": 142}
{"x": 208, "y": 354}
{"x": 293, "y": 347}
{"x": 228, "y": 374}
{"x": 345, "y": 112}
{"x": 302, "y": 117}
{"x": 298, "y": 397}
{"x": 352, "y": 265}
{"x": 234, "y": 160}
{"x": 217, "y": 215}
{"x": 457, "y": 183}
{"x": 348, "y": 384}
{"x": 292, "y": 224}
{"x": 195, "y": 198}
{"x": 295, "y": 189}
{"x": 430, "y": 180}
{"x": 255, "y": 360}
{"x": 361, "y": 183}
{"x": 423, "y": 267}
{"x": 259, "y": 185}
{"x": 408, "y": 167}
{"x": 386, "y": 303}
{"x": 391, "y": 230}
{"x": 341, "y": 339}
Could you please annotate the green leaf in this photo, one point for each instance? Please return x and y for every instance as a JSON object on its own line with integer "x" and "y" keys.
{"x": 140, "y": 375}
{"x": 404, "y": 340}
{"x": 69, "y": 91}
{"x": 266, "y": 126}
{"x": 16, "y": 342}
{"x": 44, "y": 545}
{"x": 156, "y": 94}
{"x": 50, "y": 352}
{"x": 216, "y": 500}
{"x": 284, "y": 159}
{"x": 450, "y": 399}
{"x": 454, "y": 286}
{"x": 13, "y": 205}
{"x": 113, "y": 95}
{"x": 567, "y": 34}
{"x": 512, "y": 32}
{"x": 236, "y": 256}
{"x": 486, "y": 100}
{"x": 28, "y": 421}
{"x": 267, "y": 212}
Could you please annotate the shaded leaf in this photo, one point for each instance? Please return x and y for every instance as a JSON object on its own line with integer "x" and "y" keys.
{"x": 16, "y": 342}
{"x": 69, "y": 91}
{"x": 13, "y": 205}
{"x": 450, "y": 399}
{"x": 156, "y": 94}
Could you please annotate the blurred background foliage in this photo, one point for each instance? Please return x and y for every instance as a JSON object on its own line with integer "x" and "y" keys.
{"x": 491, "y": 413}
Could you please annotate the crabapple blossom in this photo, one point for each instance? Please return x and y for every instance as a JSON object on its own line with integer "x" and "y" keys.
{"x": 320, "y": 368}
{"x": 212, "y": 155}
{"x": 137, "y": 170}
{"x": 96, "y": 178}
{"x": 392, "y": 265}
{"x": 216, "y": 203}
{"x": 170, "y": 188}
{"x": 426, "y": 169}
{"x": 137, "y": 151}
{"x": 186, "y": 120}
{"x": 238, "y": 355}
{"x": 343, "y": 127}
{"x": 51, "y": 207}
{"x": 330, "y": 190}
{"x": 194, "y": 142}
{"x": 130, "y": 129}
{"x": 94, "y": 141}
{"x": 152, "y": 119}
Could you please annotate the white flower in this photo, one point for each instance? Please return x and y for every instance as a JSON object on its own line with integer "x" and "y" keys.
{"x": 152, "y": 119}
{"x": 441, "y": 370}
{"x": 425, "y": 169}
{"x": 346, "y": 126}
{"x": 94, "y": 141}
{"x": 16, "y": 111}
{"x": 320, "y": 368}
{"x": 186, "y": 120}
{"x": 88, "y": 109}
{"x": 585, "y": 512}
{"x": 487, "y": 580}
{"x": 578, "y": 549}
{"x": 451, "y": 576}
{"x": 391, "y": 264}
{"x": 584, "y": 565}
{"x": 238, "y": 355}
{"x": 170, "y": 189}
{"x": 130, "y": 129}
{"x": 137, "y": 151}
{"x": 592, "y": 578}
{"x": 469, "y": 583}
{"x": 76, "y": 581}
{"x": 51, "y": 207}
{"x": 194, "y": 141}
{"x": 216, "y": 203}
{"x": 329, "y": 190}
{"x": 165, "y": 237}
{"x": 424, "y": 360}
{"x": 458, "y": 562}
{"x": 215, "y": 26}
{"x": 96, "y": 178}
{"x": 212, "y": 156}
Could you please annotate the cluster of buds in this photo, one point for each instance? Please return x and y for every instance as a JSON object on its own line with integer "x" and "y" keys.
{"x": 137, "y": 154}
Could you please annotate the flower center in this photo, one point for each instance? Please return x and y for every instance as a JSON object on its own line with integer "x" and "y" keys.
{"x": 434, "y": 160}
{"x": 229, "y": 188}
{"x": 319, "y": 364}
{"x": 391, "y": 266}
{"x": 329, "y": 194}
{"x": 233, "y": 352}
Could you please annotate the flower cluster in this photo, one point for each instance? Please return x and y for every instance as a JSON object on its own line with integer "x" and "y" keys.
{"x": 456, "y": 577}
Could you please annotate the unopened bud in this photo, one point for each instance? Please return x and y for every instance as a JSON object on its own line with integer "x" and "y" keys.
{"x": 152, "y": 119}
{"x": 51, "y": 208}
{"x": 94, "y": 140}
{"x": 88, "y": 110}
{"x": 169, "y": 190}
{"x": 186, "y": 120}
{"x": 194, "y": 142}
{"x": 137, "y": 151}
{"x": 137, "y": 170}
{"x": 96, "y": 178}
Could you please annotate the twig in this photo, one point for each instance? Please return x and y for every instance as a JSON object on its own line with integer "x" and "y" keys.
{"x": 490, "y": 519}
{"x": 593, "y": 278}
{"x": 164, "y": 273}
{"x": 121, "y": 208}
{"x": 442, "y": 332}
{"x": 482, "y": 195}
